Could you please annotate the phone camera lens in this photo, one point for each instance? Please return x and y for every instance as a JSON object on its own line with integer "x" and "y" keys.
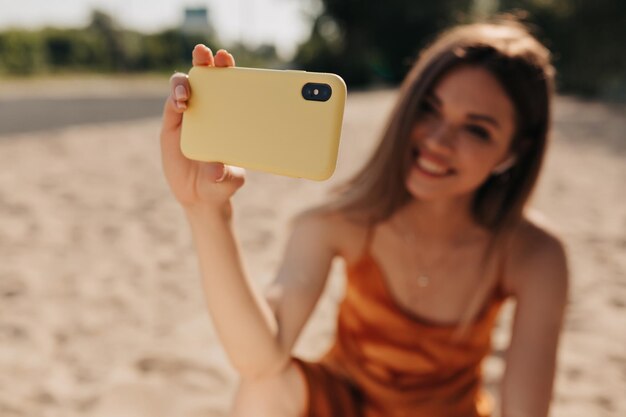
{"x": 316, "y": 92}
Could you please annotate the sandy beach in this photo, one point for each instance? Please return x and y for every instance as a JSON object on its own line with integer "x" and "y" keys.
{"x": 101, "y": 309}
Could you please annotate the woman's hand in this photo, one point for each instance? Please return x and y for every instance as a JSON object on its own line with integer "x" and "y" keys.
{"x": 195, "y": 183}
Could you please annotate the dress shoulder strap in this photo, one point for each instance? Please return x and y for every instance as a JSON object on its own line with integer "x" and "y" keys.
{"x": 488, "y": 292}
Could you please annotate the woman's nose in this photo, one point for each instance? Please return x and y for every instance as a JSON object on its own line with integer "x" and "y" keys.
{"x": 440, "y": 138}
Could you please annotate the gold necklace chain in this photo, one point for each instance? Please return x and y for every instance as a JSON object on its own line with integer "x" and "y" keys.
{"x": 423, "y": 278}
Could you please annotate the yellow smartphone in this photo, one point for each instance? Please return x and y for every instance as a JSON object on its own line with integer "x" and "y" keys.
{"x": 279, "y": 121}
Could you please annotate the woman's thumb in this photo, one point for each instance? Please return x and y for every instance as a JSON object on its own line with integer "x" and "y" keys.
{"x": 231, "y": 173}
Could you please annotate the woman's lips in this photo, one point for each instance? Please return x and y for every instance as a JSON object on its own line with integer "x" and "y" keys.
{"x": 430, "y": 166}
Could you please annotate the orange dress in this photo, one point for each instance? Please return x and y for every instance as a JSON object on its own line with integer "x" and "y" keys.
{"x": 386, "y": 362}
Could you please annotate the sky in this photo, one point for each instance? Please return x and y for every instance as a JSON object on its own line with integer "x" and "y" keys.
{"x": 283, "y": 23}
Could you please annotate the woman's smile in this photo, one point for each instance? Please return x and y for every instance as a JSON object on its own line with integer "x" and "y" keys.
{"x": 429, "y": 165}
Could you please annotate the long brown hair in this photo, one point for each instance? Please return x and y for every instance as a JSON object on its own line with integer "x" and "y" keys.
{"x": 522, "y": 65}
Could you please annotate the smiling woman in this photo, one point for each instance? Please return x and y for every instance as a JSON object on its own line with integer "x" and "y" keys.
{"x": 434, "y": 236}
{"x": 485, "y": 88}
{"x": 461, "y": 134}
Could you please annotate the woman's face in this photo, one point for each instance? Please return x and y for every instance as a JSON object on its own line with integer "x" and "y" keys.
{"x": 463, "y": 131}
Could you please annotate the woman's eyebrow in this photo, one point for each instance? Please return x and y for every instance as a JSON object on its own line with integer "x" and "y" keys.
{"x": 474, "y": 116}
{"x": 485, "y": 118}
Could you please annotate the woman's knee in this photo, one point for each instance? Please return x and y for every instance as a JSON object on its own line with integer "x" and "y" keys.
{"x": 280, "y": 395}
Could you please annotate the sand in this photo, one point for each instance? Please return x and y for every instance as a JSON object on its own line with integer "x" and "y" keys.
{"x": 101, "y": 309}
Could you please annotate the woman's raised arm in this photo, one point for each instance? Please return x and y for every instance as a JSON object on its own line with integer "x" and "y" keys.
{"x": 256, "y": 341}
{"x": 244, "y": 322}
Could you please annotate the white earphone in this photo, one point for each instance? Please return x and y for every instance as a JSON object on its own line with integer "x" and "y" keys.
{"x": 500, "y": 169}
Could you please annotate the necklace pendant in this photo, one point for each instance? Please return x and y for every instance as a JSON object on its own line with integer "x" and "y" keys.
{"x": 423, "y": 281}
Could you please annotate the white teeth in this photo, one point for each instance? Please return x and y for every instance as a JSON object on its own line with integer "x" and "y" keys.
{"x": 431, "y": 167}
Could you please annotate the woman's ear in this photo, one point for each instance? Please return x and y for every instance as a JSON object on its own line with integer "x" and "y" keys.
{"x": 504, "y": 165}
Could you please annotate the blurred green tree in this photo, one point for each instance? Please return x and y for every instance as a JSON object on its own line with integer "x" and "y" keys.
{"x": 102, "y": 46}
{"x": 264, "y": 55}
{"x": 366, "y": 41}
{"x": 20, "y": 52}
{"x": 112, "y": 55}
{"x": 587, "y": 39}
{"x": 169, "y": 50}
{"x": 69, "y": 49}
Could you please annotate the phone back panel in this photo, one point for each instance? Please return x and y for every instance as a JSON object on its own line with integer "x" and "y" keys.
{"x": 258, "y": 119}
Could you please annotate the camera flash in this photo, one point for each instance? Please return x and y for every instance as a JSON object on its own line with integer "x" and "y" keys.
{"x": 316, "y": 91}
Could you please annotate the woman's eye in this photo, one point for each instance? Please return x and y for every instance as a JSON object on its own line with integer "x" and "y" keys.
{"x": 479, "y": 131}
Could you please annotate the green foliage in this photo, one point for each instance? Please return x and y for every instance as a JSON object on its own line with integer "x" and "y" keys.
{"x": 366, "y": 41}
{"x": 20, "y": 52}
{"x": 587, "y": 39}
{"x": 102, "y": 46}
{"x": 113, "y": 53}
{"x": 363, "y": 41}
{"x": 168, "y": 50}
{"x": 262, "y": 56}
{"x": 69, "y": 49}
{"x": 370, "y": 41}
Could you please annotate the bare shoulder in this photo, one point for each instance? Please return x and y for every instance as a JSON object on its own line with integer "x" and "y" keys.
{"x": 344, "y": 236}
{"x": 537, "y": 259}
{"x": 534, "y": 237}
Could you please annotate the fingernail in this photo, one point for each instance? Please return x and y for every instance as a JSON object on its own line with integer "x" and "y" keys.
{"x": 180, "y": 93}
{"x": 220, "y": 179}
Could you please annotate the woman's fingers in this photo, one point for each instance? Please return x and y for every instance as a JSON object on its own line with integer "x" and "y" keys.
{"x": 202, "y": 56}
{"x": 176, "y": 103}
{"x": 219, "y": 172}
{"x": 179, "y": 84}
{"x": 231, "y": 175}
{"x": 224, "y": 59}
{"x": 215, "y": 171}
